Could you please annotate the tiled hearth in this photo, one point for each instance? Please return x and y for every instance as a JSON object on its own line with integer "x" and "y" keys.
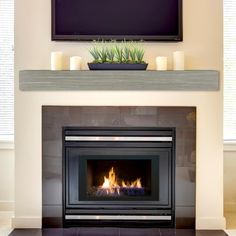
{"x": 116, "y": 232}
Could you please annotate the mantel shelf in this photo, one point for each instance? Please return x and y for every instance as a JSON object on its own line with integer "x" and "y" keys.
{"x": 150, "y": 80}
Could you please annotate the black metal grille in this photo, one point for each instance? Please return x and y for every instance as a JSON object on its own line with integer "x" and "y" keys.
{"x": 143, "y": 153}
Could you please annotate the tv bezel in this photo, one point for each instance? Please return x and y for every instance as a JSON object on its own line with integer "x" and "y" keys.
{"x": 164, "y": 38}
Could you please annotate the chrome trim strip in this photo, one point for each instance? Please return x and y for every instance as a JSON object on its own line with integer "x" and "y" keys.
{"x": 116, "y": 217}
{"x": 119, "y": 138}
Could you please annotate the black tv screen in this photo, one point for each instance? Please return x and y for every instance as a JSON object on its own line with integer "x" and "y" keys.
{"x": 156, "y": 20}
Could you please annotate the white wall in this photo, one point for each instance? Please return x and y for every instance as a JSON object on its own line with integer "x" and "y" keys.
{"x": 6, "y": 179}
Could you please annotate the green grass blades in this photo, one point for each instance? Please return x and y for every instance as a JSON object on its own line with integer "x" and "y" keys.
{"x": 119, "y": 54}
{"x": 114, "y": 52}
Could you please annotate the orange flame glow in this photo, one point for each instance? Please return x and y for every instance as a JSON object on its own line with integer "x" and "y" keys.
{"x": 111, "y": 185}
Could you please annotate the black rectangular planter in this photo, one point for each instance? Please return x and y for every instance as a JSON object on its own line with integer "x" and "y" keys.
{"x": 117, "y": 66}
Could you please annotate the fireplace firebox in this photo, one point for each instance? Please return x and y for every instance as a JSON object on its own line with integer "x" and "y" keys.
{"x": 119, "y": 176}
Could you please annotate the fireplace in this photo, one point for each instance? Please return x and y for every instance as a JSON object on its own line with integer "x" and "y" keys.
{"x": 54, "y": 118}
{"x": 114, "y": 176}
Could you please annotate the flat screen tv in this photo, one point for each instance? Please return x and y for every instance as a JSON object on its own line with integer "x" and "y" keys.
{"x": 154, "y": 20}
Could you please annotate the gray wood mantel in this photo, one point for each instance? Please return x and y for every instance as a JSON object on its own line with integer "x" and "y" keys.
{"x": 191, "y": 80}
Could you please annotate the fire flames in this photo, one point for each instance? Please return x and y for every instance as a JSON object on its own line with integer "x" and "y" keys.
{"x": 111, "y": 186}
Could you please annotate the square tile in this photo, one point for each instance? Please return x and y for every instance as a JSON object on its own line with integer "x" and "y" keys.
{"x": 139, "y": 232}
{"x": 98, "y": 232}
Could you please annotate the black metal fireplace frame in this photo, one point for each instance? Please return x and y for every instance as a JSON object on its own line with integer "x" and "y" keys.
{"x": 138, "y": 208}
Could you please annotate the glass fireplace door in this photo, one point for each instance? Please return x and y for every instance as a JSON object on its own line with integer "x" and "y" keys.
{"x": 115, "y": 175}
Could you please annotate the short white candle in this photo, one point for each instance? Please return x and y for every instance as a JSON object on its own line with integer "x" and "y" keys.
{"x": 75, "y": 63}
{"x": 178, "y": 60}
{"x": 56, "y": 60}
{"x": 161, "y": 63}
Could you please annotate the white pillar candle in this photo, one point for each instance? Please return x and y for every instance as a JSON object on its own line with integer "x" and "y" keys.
{"x": 75, "y": 63}
{"x": 56, "y": 60}
{"x": 161, "y": 63}
{"x": 178, "y": 60}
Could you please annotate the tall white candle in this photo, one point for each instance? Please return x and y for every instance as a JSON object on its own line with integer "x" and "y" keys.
{"x": 178, "y": 60}
{"x": 161, "y": 63}
{"x": 56, "y": 60}
{"x": 75, "y": 63}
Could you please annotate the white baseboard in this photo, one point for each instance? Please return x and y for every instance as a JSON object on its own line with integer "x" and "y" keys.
{"x": 7, "y": 206}
{"x": 211, "y": 223}
{"x": 26, "y": 222}
{"x": 230, "y": 207}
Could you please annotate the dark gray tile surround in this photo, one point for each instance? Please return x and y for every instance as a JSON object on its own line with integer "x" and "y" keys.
{"x": 183, "y": 118}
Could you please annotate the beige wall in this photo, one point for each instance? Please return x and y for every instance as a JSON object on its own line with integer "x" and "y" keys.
{"x": 6, "y": 179}
{"x": 203, "y": 47}
{"x": 230, "y": 181}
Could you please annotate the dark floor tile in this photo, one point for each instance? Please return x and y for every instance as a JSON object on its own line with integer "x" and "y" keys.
{"x": 26, "y": 232}
{"x": 210, "y": 233}
{"x": 191, "y": 232}
{"x": 139, "y": 232}
{"x": 98, "y": 232}
{"x": 115, "y": 232}
{"x": 60, "y": 232}
{"x": 177, "y": 232}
